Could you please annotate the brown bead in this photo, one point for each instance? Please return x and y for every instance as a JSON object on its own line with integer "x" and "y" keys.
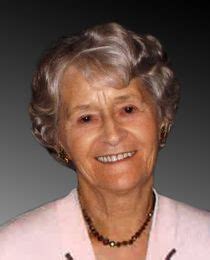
{"x": 130, "y": 242}
{"x": 118, "y": 244}
{"x": 137, "y": 233}
{"x": 100, "y": 238}
{"x": 133, "y": 238}
{"x": 97, "y": 234}
{"x": 91, "y": 228}
{"x": 125, "y": 243}
{"x": 89, "y": 221}
{"x": 106, "y": 241}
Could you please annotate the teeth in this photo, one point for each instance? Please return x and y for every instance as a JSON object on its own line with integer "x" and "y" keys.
{"x": 120, "y": 156}
{"x": 114, "y": 158}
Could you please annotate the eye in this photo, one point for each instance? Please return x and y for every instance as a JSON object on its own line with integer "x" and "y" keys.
{"x": 85, "y": 119}
{"x": 129, "y": 109}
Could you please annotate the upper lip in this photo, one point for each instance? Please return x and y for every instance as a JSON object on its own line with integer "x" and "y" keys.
{"x": 114, "y": 154}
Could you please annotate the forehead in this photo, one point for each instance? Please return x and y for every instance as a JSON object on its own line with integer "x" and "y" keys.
{"x": 75, "y": 88}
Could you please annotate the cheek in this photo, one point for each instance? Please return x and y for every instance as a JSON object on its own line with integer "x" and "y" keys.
{"x": 151, "y": 146}
{"x": 78, "y": 142}
{"x": 146, "y": 130}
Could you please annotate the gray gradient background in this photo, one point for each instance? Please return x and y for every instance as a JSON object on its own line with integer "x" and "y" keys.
{"x": 28, "y": 175}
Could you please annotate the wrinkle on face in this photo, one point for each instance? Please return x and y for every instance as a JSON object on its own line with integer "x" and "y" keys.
{"x": 111, "y": 132}
{"x": 102, "y": 95}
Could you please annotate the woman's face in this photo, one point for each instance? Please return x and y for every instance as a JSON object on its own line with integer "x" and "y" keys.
{"x": 111, "y": 134}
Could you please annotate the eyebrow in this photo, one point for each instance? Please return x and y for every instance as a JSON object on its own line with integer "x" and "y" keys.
{"x": 125, "y": 97}
{"x": 89, "y": 106}
{"x": 83, "y": 107}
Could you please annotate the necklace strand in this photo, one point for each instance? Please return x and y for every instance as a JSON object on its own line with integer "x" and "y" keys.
{"x": 108, "y": 242}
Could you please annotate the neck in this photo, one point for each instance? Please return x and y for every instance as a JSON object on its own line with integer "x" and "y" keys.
{"x": 117, "y": 215}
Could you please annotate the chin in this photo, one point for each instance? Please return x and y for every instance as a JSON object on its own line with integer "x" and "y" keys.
{"x": 122, "y": 183}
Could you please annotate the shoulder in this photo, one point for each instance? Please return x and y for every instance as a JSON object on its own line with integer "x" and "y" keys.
{"x": 184, "y": 213}
{"x": 31, "y": 233}
{"x": 190, "y": 226}
{"x": 29, "y": 220}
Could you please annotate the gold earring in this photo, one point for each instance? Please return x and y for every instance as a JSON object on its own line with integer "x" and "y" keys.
{"x": 63, "y": 155}
{"x": 163, "y": 136}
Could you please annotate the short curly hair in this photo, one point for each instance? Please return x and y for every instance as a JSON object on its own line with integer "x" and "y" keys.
{"x": 108, "y": 52}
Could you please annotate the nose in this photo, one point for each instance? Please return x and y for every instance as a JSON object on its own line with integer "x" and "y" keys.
{"x": 113, "y": 132}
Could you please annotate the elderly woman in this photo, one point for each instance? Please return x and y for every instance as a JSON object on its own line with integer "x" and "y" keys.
{"x": 103, "y": 102}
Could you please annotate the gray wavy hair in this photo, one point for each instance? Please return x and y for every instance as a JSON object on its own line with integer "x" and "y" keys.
{"x": 106, "y": 52}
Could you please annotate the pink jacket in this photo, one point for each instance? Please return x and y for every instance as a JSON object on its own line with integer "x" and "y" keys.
{"x": 57, "y": 231}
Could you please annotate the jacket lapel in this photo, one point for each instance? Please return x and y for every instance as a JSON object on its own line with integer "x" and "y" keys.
{"x": 162, "y": 243}
{"x": 74, "y": 235}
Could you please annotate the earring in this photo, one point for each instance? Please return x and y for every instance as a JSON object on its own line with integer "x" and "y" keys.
{"x": 163, "y": 136}
{"x": 63, "y": 155}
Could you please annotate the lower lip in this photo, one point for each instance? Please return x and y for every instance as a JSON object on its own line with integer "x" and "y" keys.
{"x": 129, "y": 157}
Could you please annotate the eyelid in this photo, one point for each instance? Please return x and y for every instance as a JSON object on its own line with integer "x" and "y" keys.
{"x": 139, "y": 106}
{"x": 130, "y": 105}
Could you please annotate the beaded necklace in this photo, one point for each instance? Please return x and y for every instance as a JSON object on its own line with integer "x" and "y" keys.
{"x": 108, "y": 242}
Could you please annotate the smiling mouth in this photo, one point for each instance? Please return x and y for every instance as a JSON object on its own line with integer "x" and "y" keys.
{"x": 115, "y": 157}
